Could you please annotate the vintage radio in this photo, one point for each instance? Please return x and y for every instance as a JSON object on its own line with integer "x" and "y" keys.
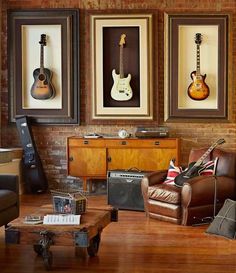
{"x": 69, "y": 202}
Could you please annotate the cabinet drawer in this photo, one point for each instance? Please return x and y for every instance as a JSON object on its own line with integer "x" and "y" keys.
{"x": 127, "y": 142}
{"x": 142, "y": 143}
{"x": 84, "y": 142}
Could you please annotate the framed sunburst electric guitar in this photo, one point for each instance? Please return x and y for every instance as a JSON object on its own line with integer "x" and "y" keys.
{"x": 121, "y": 90}
{"x": 42, "y": 88}
{"x": 198, "y": 89}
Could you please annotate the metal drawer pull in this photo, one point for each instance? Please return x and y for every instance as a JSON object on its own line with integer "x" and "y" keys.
{"x": 86, "y": 142}
{"x": 71, "y": 158}
{"x": 123, "y": 142}
{"x": 157, "y": 143}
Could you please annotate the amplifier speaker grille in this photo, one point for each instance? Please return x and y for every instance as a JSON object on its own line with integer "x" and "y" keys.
{"x": 124, "y": 190}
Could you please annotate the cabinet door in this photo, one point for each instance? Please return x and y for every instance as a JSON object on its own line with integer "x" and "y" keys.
{"x": 87, "y": 161}
{"x": 145, "y": 159}
{"x": 142, "y": 159}
{"x": 164, "y": 157}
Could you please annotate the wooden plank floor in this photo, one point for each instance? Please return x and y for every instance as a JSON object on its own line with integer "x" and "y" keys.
{"x": 134, "y": 244}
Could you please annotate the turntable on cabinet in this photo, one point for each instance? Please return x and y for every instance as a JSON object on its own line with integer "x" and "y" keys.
{"x": 152, "y": 132}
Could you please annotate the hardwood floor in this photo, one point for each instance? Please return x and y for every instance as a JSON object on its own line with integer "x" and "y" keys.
{"x": 134, "y": 244}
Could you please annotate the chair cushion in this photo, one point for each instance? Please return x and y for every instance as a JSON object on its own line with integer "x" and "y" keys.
{"x": 165, "y": 193}
{"x": 7, "y": 199}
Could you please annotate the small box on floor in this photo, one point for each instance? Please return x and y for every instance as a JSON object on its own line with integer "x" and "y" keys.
{"x": 97, "y": 187}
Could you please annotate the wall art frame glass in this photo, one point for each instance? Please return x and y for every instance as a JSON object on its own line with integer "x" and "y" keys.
{"x": 196, "y": 66}
{"x": 43, "y": 65}
{"x": 121, "y": 56}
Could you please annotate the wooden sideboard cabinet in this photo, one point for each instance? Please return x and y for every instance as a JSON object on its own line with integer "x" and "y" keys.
{"x": 92, "y": 158}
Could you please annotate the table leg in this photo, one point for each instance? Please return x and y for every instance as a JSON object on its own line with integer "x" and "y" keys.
{"x": 82, "y": 241}
{"x": 81, "y": 252}
{"x": 93, "y": 247}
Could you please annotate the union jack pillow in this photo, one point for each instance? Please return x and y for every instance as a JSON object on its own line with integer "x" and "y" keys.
{"x": 208, "y": 168}
{"x": 173, "y": 171}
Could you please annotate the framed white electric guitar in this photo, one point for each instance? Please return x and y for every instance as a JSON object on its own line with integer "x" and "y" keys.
{"x": 121, "y": 90}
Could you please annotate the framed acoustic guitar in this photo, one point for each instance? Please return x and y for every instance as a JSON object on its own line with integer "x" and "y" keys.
{"x": 121, "y": 90}
{"x": 198, "y": 89}
{"x": 42, "y": 88}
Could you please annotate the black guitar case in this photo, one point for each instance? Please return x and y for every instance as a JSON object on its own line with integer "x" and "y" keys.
{"x": 32, "y": 169}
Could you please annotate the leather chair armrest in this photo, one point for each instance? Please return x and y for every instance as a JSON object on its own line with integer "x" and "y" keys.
{"x": 153, "y": 178}
{"x": 149, "y": 180}
{"x": 201, "y": 190}
{"x": 9, "y": 182}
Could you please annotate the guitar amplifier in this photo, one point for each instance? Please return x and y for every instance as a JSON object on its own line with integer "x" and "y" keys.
{"x": 124, "y": 189}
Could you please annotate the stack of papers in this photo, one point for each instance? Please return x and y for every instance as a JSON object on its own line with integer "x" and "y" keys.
{"x": 61, "y": 219}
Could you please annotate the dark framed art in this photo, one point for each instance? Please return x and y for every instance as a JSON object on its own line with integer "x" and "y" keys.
{"x": 43, "y": 50}
{"x": 196, "y": 66}
{"x": 121, "y": 49}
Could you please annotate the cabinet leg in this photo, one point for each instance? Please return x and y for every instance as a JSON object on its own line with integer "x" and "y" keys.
{"x": 84, "y": 184}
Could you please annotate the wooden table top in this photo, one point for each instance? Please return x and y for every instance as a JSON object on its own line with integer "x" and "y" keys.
{"x": 92, "y": 216}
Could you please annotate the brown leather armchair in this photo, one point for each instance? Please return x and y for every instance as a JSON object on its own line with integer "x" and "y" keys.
{"x": 194, "y": 202}
{"x": 9, "y": 198}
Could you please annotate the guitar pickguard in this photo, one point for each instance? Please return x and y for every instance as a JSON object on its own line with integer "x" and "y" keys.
{"x": 121, "y": 90}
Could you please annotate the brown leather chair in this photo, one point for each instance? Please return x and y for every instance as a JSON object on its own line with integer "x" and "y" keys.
{"x": 194, "y": 202}
{"x": 9, "y": 198}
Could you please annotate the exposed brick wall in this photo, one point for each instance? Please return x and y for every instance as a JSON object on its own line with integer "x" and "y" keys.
{"x": 51, "y": 140}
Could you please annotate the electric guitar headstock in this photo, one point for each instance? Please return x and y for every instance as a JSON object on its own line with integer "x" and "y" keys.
{"x": 198, "y": 38}
{"x": 43, "y": 40}
{"x": 219, "y": 142}
{"x": 122, "y": 40}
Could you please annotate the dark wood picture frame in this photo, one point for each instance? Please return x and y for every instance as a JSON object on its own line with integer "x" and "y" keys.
{"x": 106, "y": 31}
{"x": 64, "y": 23}
{"x": 177, "y": 28}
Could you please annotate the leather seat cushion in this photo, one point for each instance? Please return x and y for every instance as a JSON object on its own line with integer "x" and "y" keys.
{"x": 165, "y": 193}
{"x": 7, "y": 199}
{"x": 162, "y": 210}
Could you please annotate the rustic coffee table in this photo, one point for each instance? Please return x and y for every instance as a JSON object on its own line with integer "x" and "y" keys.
{"x": 87, "y": 235}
